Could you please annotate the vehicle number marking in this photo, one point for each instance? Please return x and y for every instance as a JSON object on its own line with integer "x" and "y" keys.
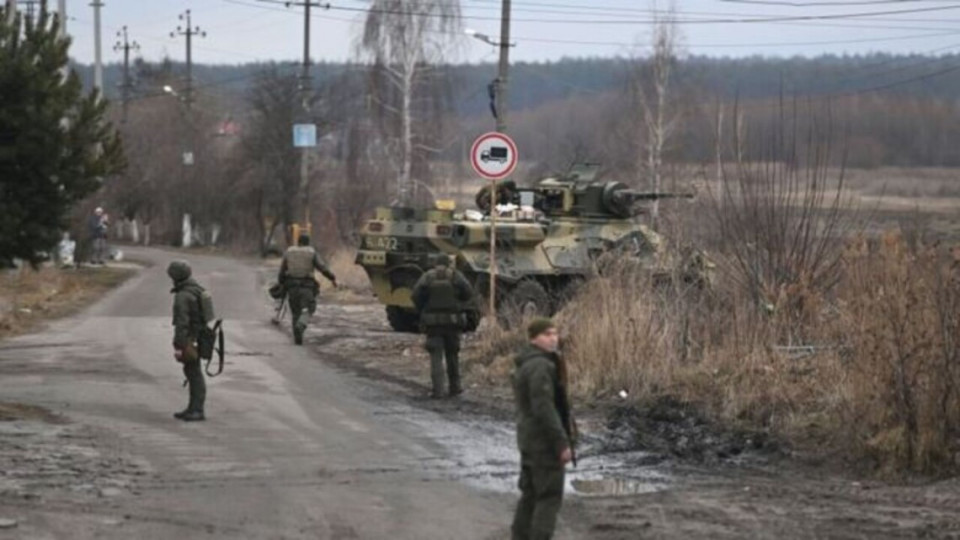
{"x": 386, "y": 243}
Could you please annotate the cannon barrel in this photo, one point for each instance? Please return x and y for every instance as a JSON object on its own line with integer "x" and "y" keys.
{"x": 651, "y": 195}
{"x": 619, "y": 200}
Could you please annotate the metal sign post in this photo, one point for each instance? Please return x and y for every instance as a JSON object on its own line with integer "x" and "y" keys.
{"x": 494, "y": 157}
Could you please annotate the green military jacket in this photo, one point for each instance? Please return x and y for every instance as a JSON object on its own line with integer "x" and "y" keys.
{"x": 423, "y": 289}
{"x": 540, "y": 432}
{"x": 187, "y": 318}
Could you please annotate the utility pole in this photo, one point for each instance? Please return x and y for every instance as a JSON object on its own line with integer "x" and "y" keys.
{"x": 31, "y": 11}
{"x": 62, "y": 10}
{"x": 97, "y": 49}
{"x": 306, "y": 97}
{"x": 502, "y": 87}
{"x": 503, "y": 75}
{"x": 125, "y": 45}
{"x": 188, "y": 31}
{"x": 306, "y": 88}
{"x": 11, "y": 10}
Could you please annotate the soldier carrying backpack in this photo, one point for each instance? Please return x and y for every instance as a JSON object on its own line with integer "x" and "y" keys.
{"x": 194, "y": 339}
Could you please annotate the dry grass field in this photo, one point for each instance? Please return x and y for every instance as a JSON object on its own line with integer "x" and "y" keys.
{"x": 29, "y": 298}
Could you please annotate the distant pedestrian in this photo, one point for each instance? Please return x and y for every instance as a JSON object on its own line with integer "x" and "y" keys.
{"x": 544, "y": 432}
{"x": 98, "y": 226}
{"x": 187, "y": 323}
{"x": 440, "y": 296}
{"x": 296, "y": 277}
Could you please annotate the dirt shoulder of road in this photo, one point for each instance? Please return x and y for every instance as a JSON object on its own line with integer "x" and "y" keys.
{"x": 722, "y": 482}
{"x": 30, "y": 298}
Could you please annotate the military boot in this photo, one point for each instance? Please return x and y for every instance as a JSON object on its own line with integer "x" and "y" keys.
{"x": 181, "y": 414}
{"x": 297, "y": 335}
{"x": 193, "y": 416}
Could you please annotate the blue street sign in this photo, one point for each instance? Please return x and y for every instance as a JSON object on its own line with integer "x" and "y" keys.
{"x": 304, "y": 135}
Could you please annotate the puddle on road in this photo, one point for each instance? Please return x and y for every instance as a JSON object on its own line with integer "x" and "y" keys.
{"x": 482, "y": 453}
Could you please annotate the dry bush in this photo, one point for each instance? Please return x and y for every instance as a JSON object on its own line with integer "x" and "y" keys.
{"x": 840, "y": 347}
{"x": 877, "y": 386}
{"x": 901, "y": 309}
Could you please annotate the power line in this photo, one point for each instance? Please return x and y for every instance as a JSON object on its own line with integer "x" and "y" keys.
{"x": 823, "y": 4}
{"x": 929, "y": 33}
{"x": 669, "y": 20}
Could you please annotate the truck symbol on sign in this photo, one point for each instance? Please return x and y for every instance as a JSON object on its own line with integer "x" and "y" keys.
{"x": 499, "y": 154}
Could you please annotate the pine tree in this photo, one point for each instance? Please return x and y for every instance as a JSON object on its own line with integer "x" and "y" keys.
{"x": 55, "y": 145}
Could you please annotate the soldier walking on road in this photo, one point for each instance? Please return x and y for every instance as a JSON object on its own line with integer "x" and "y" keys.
{"x": 440, "y": 296}
{"x": 543, "y": 432}
{"x": 296, "y": 276}
{"x": 187, "y": 322}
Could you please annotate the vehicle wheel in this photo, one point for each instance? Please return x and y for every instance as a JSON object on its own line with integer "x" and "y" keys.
{"x": 403, "y": 320}
{"x": 525, "y": 301}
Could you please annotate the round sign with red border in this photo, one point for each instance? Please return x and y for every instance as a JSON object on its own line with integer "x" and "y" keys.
{"x": 494, "y": 156}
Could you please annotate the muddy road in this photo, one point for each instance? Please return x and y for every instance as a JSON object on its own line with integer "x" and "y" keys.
{"x": 336, "y": 440}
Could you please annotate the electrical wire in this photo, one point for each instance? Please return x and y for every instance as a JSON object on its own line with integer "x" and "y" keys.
{"x": 670, "y": 20}
{"x": 823, "y": 4}
{"x": 929, "y": 33}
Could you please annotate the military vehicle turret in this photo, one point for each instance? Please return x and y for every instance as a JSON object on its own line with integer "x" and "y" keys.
{"x": 549, "y": 237}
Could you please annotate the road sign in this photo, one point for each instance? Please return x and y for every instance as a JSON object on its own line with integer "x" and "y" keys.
{"x": 304, "y": 135}
{"x": 494, "y": 156}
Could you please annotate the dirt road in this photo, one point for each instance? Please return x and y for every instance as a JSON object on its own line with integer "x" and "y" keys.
{"x": 329, "y": 441}
{"x": 291, "y": 448}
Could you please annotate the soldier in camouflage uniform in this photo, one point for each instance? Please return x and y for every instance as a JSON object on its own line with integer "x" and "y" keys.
{"x": 296, "y": 276}
{"x": 440, "y": 296}
{"x": 187, "y": 321}
{"x": 544, "y": 444}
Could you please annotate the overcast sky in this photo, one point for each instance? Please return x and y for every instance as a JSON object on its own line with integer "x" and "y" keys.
{"x": 250, "y": 30}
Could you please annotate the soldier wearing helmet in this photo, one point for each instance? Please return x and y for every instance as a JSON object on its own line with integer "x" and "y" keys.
{"x": 187, "y": 321}
{"x": 440, "y": 296}
{"x": 296, "y": 276}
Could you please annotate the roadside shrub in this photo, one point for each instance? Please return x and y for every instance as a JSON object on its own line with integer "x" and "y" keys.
{"x": 877, "y": 382}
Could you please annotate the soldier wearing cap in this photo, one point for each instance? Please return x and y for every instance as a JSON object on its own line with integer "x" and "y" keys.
{"x": 542, "y": 437}
{"x": 296, "y": 276}
{"x": 440, "y": 296}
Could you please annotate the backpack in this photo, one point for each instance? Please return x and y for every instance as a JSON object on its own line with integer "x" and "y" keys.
{"x": 210, "y": 340}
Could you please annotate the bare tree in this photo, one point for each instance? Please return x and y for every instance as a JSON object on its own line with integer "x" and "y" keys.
{"x": 272, "y": 170}
{"x": 404, "y": 38}
{"x": 652, "y": 91}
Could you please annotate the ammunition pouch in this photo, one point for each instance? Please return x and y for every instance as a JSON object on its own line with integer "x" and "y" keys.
{"x": 301, "y": 283}
{"x": 434, "y": 319}
{"x": 464, "y": 321}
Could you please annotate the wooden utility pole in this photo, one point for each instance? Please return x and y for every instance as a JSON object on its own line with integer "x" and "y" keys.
{"x": 503, "y": 75}
{"x": 124, "y": 45}
{"x": 306, "y": 99}
{"x": 502, "y": 93}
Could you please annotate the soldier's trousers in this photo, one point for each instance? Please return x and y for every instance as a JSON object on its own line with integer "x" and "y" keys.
{"x": 541, "y": 495}
{"x": 303, "y": 304}
{"x": 444, "y": 344}
{"x": 195, "y": 382}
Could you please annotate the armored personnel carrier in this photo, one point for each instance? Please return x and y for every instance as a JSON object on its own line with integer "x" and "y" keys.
{"x": 549, "y": 238}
